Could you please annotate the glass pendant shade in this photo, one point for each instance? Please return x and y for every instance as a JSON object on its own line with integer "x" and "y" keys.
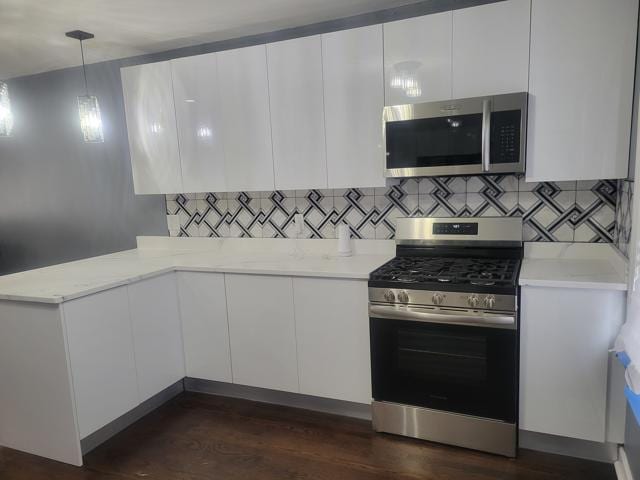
{"x": 6, "y": 117}
{"x": 90, "y": 120}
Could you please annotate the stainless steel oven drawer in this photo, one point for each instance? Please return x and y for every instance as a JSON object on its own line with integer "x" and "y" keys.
{"x": 484, "y": 434}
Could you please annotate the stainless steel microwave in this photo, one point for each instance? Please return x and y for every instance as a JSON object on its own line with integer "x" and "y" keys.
{"x": 483, "y": 135}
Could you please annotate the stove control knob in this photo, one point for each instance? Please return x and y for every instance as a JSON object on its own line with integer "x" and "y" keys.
{"x": 389, "y": 296}
{"x": 490, "y": 301}
{"x": 437, "y": 298}
{"x": 473, "y": 300}
{"x": 403, "y": 296}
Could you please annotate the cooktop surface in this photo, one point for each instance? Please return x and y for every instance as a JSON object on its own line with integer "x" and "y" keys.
{"x": 442, "y": 273}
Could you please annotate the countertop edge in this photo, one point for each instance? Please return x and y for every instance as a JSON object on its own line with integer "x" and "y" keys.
{"x": 179, "y": 268}
{"x": 585, "y": 285}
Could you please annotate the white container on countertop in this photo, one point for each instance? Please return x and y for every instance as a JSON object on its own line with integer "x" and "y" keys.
{"x": 344, "y": 240}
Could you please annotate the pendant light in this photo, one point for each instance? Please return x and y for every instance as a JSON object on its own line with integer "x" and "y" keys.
{"x": 6, "y": 117}
{"x": 88, "y": 107}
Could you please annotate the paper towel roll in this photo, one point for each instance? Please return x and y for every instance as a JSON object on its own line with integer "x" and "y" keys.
{"x": 344, "y": 240}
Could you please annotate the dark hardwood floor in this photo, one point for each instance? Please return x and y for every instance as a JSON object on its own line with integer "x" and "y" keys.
{"x": 199, "y": 437}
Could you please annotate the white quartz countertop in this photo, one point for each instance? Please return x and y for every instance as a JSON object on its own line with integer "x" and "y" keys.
{"x": 158, "y": 255}
{"x": 591, "y": 266}
{"x": 545, "y": 265}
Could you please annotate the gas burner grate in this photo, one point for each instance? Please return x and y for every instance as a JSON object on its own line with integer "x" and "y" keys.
{"x": 449, "y": 270}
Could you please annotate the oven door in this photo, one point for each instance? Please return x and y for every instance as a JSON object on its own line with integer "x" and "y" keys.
{"x": 453, "y": 366}
{"x": 457, "y": 137}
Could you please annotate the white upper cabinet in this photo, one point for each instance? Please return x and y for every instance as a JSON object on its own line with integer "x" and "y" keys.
{"x": 581, "y": 88}
{"x": 353, "y": 101}
{"x": 491, "y": 49}
{"x": 151, "y": 126}
{"x": 417, "y": 59}
{"x": 198, "y": 117}
{"x": 297, "y": 113}
{"x": 246, "y": 126}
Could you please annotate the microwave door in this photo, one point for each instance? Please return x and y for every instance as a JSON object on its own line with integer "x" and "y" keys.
{"x": 432, "y": 146}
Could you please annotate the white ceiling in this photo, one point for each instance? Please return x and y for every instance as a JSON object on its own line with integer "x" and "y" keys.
{"x": 32, "y": 36}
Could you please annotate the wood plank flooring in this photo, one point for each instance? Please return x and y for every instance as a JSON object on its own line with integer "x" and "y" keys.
{"x": 198, "y": 437}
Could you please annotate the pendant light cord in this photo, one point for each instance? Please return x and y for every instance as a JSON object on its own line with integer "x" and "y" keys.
{"x": 84, "y": 70}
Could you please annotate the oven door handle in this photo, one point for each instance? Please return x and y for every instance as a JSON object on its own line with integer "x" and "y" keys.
{"x": 461, "y": 318}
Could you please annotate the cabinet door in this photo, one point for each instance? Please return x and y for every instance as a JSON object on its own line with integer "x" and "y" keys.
{"x": 262, "y": 331}
{"x": 157, "y": 335}
{"x": 103, "y": 367}
{"x": 199, "y": 121}
{"x": 297, "y": 113}
{"x": 151, "y": 127}
{"x": 203, "y": 311}
{"x": 581, "y": 85}
{"x": 491, "y": 49}
{"x": 564, "y": 360}
{"x": 353, "y": 102}
{"x": 246, "y": 126}
{"x": 417, "y": 59}
{"x": 332, "y": 328}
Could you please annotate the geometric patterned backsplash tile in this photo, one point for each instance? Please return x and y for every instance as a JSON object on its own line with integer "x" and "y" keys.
{"x": 583, "y": 211}
{"x": 623, "y": 216}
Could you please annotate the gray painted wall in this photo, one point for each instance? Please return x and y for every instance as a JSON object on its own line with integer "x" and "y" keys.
{"x": 62, "y": 199}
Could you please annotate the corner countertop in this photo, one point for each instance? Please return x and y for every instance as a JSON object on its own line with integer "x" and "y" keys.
{"x": 573, "y": 265}
{"x": 591, "y": 266}
{"x": 157, "y": 255}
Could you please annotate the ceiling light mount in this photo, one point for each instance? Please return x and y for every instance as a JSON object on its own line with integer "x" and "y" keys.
{"x": 79, "y": 35}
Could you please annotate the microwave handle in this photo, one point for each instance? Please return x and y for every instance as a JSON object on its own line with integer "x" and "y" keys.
{"x": 486, "y": 135}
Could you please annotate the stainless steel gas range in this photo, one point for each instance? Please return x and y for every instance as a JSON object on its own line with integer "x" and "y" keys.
{"x": 445, "y": 333}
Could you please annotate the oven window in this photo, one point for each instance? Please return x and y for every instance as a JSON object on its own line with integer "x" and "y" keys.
{"x": 456, "y": 359}
{"x": 469, "y": 370}
{"x": 434, "y": 142}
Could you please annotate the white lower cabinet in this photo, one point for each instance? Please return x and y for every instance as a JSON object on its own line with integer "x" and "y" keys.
{"x": 332, "y": 329}
{"x": 205, "y": 331}
{"x": 101, "y": 355}
{"x": 262, "y": 331}
{"x": 157, "y": 335}
{"x": 564, "y": 370}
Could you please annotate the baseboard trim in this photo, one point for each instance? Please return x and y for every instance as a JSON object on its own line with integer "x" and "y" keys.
{"x": 98, "y": 437}
{"x": 623, "y": 469}
{"x": 288, "y": 399}
{"x": 603, "y": 452}
{"x": 570, "y": 447}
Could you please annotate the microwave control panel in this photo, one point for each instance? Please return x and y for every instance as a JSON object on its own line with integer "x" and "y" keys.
{"x": 505, "y": 136}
